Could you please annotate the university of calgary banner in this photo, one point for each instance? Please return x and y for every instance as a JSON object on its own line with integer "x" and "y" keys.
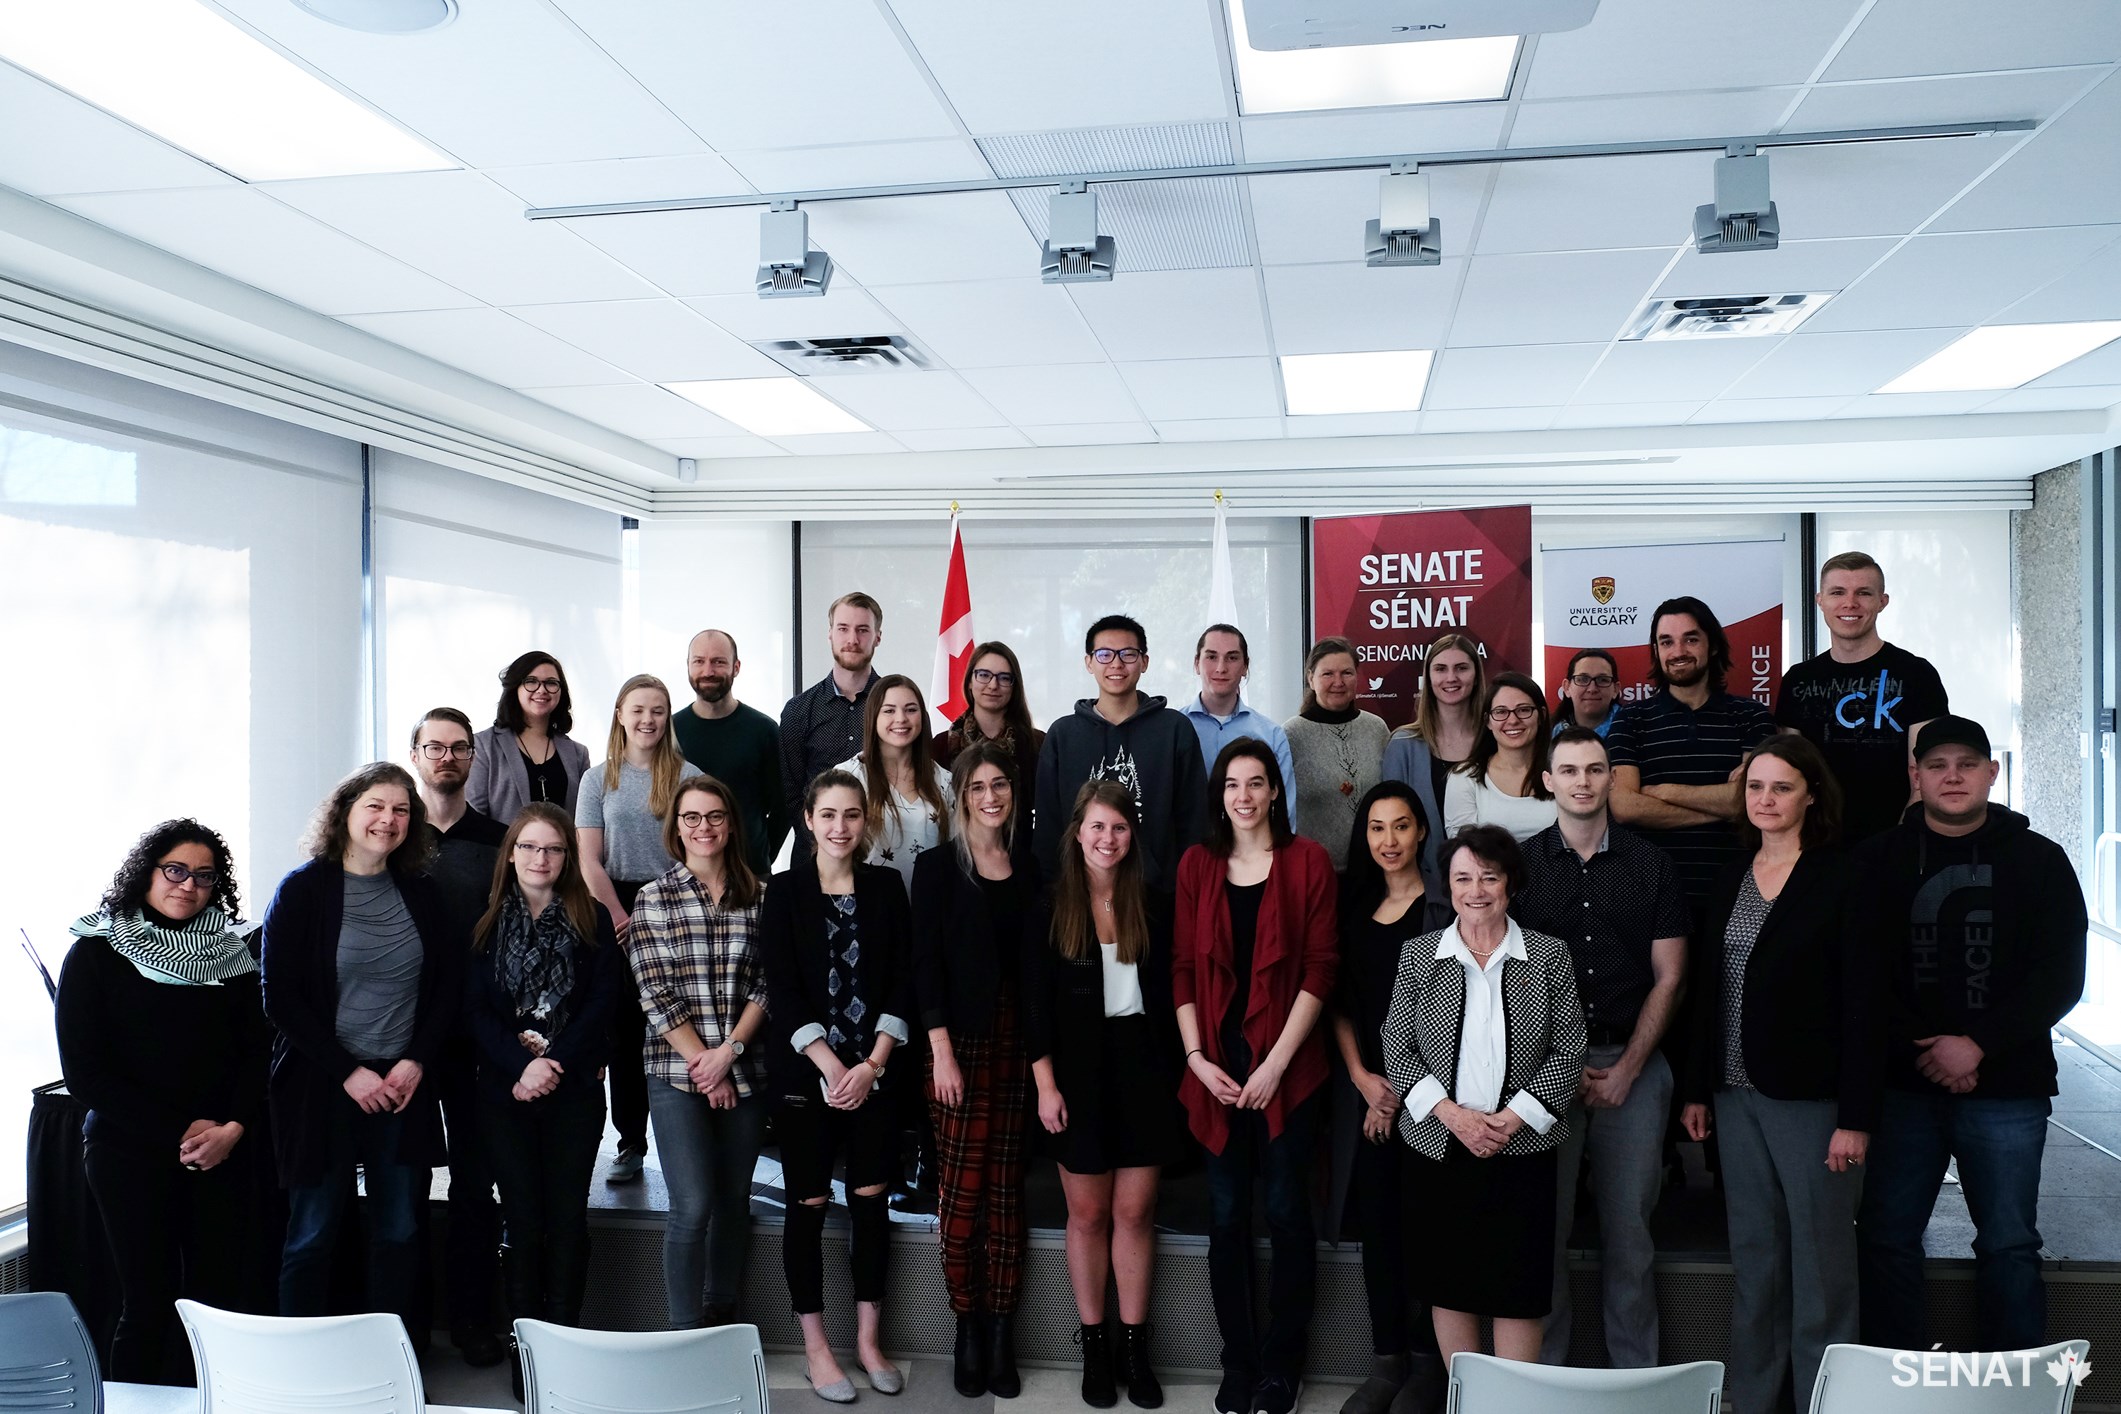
{"x": 1393, "y": 584}
{"x": 1603, "y": 598}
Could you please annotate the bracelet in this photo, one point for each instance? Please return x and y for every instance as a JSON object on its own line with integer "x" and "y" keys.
{"x": 1196, "y": 1051}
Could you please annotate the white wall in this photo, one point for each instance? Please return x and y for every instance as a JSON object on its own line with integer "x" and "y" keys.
{"x": 735, "y": 576}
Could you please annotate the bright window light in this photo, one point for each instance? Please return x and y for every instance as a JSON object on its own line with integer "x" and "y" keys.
{"x": 193, "y": 78}
{"x": 2003, "y": 356}
{"x": 1368, "y": 75}
{"x": 771, "y": 407}
{"x": 1355, "y": 382}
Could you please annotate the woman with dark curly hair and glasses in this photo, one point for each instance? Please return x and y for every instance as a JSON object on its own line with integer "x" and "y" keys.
{"x": 162, "y": 1036}
{"x": 361, "y": 975}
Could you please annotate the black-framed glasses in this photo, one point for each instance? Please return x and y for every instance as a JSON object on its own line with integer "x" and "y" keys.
{"x": 179, "y": 875}
{"x": 542, "y": 851}
{"x": 1593, "y": 680}
{"x": 693, "y": 819}
{"x": 1129, "y": 656}
{"x": 541, "y": 685}
{"x": 1523, "y": 712}
{"x": 987, "y": 677}
{"x": 447, "y": 750}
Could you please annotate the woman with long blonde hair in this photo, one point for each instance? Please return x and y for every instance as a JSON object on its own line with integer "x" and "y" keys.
{"x": 619, "y": 812}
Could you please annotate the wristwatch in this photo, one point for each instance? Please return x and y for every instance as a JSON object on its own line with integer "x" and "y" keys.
{"x": 873, "y": 1064}
{"x": 736, "y": 1048}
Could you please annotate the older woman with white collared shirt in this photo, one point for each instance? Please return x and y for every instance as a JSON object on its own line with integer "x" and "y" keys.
{"x": 1485, "y": 1039}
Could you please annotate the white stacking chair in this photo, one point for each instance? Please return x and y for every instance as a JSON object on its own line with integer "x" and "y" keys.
{"x": 1482, "y": 1384}
{"x": 47, "y": 1360}
{"x": 1864, "y": 1379}
{"x": 302, "y": 1364}
{"x": 570, "y": 1371}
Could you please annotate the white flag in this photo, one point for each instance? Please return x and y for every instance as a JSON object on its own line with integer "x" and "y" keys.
{"x": 1222, "y": 592}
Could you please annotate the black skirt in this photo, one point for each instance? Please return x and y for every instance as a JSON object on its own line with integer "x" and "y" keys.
{"x": 1134, "y": 1119}
{"x": 1480, "y": 1232}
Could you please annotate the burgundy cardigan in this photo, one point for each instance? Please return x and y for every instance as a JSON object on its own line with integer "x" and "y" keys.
{"x": 1296, "y": 949}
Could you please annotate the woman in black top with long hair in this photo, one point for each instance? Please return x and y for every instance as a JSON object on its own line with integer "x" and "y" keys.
{"x": 163, "y": 1037}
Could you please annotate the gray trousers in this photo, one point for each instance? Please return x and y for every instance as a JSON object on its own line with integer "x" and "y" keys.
{"x": 1793, "y": 1244}
{"x": 1625, "y": 1150}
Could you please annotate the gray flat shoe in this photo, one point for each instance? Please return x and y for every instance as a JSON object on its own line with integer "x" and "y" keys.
{"x": 886, "y": 1381}
{"x": 840, "y": 1391}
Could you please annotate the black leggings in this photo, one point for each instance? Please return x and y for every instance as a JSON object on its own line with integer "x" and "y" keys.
{"x": 543, "y": 1152}
{"x": 626, "y": 1071}
{"x": 812, "y": 1136}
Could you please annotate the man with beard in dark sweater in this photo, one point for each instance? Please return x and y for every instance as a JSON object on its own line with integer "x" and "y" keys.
{"x": 1123, "y": 734}
{"x": 1977, "y": 926}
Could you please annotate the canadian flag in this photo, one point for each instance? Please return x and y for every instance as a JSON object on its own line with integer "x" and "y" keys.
{"x": 953, "y": 640}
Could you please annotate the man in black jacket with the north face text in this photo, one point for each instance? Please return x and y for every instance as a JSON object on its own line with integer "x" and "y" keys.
{"x": 1978, "y": 925}
{"x": 1123, "y": 734}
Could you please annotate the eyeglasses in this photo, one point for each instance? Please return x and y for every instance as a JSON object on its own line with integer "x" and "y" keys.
{"x": 1524, "y": 713}
{"x": 1593, "y": 680}
{"x": 987, "y": 677}
{"x": 446, "y": 750}
{"x": 1129, "y": 656}
{"x": 541, "y": 685}
{"x": 542, "y": 851}
{"x": 178, "y": 876}
{"x": 693, "y": 819}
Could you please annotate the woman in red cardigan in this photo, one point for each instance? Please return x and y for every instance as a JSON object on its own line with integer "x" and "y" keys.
{"x": 1253, "y": 963}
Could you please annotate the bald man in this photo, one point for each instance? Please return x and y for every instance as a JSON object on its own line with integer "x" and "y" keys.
{"x": 739, "y": 746}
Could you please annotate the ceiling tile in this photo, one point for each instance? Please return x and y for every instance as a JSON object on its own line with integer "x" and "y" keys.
{"x": 1176, "y": 314}
{"x": 1448, "y": 127}
{"x": 847, "y": 310}
{"x": 1963, "y": 36}
{"x": 492, "y": 345}
{"x": 744, "y": 83}
{"x": 683, "y": 253}
{"x": 1175, "y": 224}
{"x": 1819, "y": 365}
{"x": 961, "y": 439}
{"x": 1794, "y": 267}
{"x": 1649, "y": 117}
{"x": 1307, "y": 218}
{"x": 994, "y": 323}
{"x": 1864, "y": 189}
{"x": 1537, "y": 375}
{"x": 621, "y": 179}
{"x": 1081, "y": 393}
{"x": 1580, "y": 297}
{"x": 1096, "y": 434}
{"x": 1770, "y": 409}
{"x": 663, "y": 341}
{"x": 81, "y": 148}
{"x": 638, "y": 410}
{"x": 1025, "y": 68}
{"x": 1914, "y": 404}
{"x": 2056, "y": 399}
{"x": 1672, "y": 370}
{"x": 461, "y": 228}
{"x": 246, "y": 235}
{"x": 835, "y": 444}
{"x": 1626, "y": 414}
{"x": 1957, "y": 279}
{"x": 704, "y": 447}
{"x": 1939, "y": 100}
{"x": 500, "y": 85}
{"x": 1649, "y": 46}
{"x": 1355, "y": 309}
{"x": 1186, "y": 389}
{"x": 872, "y": 164}
{"x": 2069, "y": 172}
{"x": 1353, "y": 424}
{"x": 912, "y": 240}
{"x": 890, "y": 402}
{"x": 2089, "y": 290}
{"x": 1609, "y": 204}
{"x": 1220, "y": 429}
{"x": 1488, "y": 420}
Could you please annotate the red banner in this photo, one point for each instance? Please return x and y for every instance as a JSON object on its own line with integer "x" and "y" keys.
{"x": 1394, "y": 584}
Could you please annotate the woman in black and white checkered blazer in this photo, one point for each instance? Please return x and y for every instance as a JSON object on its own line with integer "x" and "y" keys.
{"x": 1485, "y": 1040}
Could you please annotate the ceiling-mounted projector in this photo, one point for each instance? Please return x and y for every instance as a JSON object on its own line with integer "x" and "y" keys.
{"x": 1332, "y": 24}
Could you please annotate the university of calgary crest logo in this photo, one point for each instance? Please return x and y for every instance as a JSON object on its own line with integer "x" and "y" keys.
{"x": 1602, "y": 588}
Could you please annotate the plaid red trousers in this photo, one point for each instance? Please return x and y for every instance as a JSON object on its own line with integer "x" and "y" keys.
{"x": 979, "y": 1160}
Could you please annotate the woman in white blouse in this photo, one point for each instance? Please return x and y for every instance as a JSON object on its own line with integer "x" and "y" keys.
{"x": 1502, "y": 783}
{"x": 908, "y": 799}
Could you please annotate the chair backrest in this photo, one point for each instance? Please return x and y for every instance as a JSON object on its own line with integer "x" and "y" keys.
{"x": 1482, "y": 1384}
{"x": 570, "y": 1371}
{"x": 47, "y": 1359}
{"x": 1863, "y": 1379}
{"x": 312, "y": 1364}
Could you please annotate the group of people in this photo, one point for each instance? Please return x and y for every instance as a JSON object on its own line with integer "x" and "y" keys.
{"x": 1437, "y": 975}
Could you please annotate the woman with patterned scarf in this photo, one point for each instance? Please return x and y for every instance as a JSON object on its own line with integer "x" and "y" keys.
{"x": 163, "y": 1037}
{"x": 544, "y": 980}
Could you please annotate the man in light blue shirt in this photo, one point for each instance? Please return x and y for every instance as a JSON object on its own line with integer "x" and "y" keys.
{"x": 1219, "y": 715}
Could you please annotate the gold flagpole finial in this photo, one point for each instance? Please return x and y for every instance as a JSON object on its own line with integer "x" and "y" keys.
{"x": 1218, "y": 496}
{"x": 953, "y": 508}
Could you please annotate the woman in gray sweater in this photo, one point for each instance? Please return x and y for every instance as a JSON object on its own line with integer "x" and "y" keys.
{"x": 1339, "y": 749}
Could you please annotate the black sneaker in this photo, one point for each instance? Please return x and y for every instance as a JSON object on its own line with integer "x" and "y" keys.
{"x": 1276, "y": 1395}
{"x": 482, "y": 1350}
{"x": 1234, "y": 1394}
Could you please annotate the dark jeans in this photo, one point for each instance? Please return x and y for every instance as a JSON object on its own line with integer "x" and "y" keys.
{"x": 708, "y": 1158}
{"x": 813, "y": 1135}
{"x": 315, "y": 1212}
{"x": 626, "y": 1071}
{"x": 172, "y": 1233}
{"x": 1998, "y": 1144}
{"x": 543, "y": 1153}
{"x": 474, "y": 1249}
{"x": 1284, "y": 1166}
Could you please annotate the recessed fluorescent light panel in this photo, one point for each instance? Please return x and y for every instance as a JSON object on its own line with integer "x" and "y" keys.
{"x": 1354, "y": 382}
{"x": 771, "y": 407}
{"x": 2004, "y": 356}
{"x": 193, "y": 78}
{"x": 1368, "y": 75}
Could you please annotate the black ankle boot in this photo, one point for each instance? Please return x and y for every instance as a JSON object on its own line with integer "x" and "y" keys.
{"x": 1388, "y": 1375}
{"x": 1003, "y": 1382}
{"x": 968, "y": 1367}
{"x": 1143, "y": 1392}
{"x": 1099, "y": 1391}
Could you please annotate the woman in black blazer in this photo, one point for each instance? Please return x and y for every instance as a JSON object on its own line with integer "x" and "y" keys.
{"x": 1102, "y": 1034}
{"x": 969, "y": 903}
{"x": 361, "y": 976}
{"x": 1783, "y": 1042}
{"x": 835, "y": 939}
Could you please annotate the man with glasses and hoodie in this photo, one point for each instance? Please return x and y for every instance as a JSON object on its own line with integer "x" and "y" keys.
{"x": 1123, "y": 734}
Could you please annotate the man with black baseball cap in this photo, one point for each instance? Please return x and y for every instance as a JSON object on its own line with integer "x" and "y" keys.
{"x": 1976, "y": 925}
